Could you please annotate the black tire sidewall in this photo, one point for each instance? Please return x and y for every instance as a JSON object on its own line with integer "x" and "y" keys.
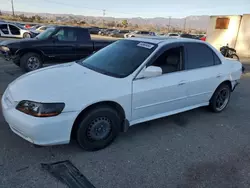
{"x": 82, "y": 139}
{"x": 213, "y": 99}
{"x": 24, "y": 59}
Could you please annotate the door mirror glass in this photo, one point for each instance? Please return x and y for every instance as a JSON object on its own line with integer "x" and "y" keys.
{"x": 55, "y": 37}
{"x": 151, "y": 71}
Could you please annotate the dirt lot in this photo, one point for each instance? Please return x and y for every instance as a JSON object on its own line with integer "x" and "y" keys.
{"x": 196, "y": 149}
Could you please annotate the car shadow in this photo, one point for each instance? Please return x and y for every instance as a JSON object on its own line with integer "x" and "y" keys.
{"x": 224, "y": 173}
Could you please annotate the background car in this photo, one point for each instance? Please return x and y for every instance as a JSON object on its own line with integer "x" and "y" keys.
{"x": 15, "y": 31}
{"x": 41, "y": 28}
{"x": 173, "y": 35}
{"x": 190, "y": 36}
{"x": 139, "y": 34}
{"x": 94, "y": 30}
{"x": 119, "y": 33}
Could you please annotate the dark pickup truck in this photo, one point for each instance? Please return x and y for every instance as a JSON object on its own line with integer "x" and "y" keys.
{"x": 59, "y": 44}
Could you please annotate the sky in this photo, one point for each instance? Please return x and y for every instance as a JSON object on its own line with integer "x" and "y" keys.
{"x": 132, "y": 8}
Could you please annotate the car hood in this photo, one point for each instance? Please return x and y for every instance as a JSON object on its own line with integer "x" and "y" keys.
{"x": 8, "y": 42}
{"x": 59, "y": 83}
{"x": 16, "y": 41}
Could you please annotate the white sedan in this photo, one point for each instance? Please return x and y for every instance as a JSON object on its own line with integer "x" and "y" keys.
{"x": 14, "y": 31}
{"x": 128, "y": 82}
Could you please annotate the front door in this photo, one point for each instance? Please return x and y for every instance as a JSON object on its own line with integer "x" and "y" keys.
{"x": 15, "y": 31}
{"x": 64, "y": 45}
{"x": 163, "y": 95}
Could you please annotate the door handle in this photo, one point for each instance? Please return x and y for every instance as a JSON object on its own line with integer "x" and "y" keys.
{"x": 218, "y": 76}
{"x": 182, "y": 83}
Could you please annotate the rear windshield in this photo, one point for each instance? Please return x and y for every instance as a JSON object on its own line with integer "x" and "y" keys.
{"x": 119, "y": 59}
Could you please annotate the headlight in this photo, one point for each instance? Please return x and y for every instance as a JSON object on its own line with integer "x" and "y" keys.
{"x": 40, "y": 109}
{"x": 4, "y": 48}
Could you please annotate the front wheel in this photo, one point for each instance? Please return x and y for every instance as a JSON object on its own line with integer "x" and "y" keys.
{"x": 30, "y": 62}
{"x": 98, "y": 128}
{"x": 220, "y": 98}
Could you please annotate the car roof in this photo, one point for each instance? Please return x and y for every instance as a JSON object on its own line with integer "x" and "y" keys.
{"x": 163, "y": 40}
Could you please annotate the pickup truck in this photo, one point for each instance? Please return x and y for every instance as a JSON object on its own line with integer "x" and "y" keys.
{"x": 58, "y": 44}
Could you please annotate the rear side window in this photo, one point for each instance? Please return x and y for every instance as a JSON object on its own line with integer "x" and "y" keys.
{"x": 199, "y": 55}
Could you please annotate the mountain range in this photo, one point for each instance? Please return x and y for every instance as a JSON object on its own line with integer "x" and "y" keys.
{"x": 192, "y": 22}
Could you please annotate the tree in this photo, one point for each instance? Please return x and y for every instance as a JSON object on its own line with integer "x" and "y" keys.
{"x": 125, "y": 23}
{"x": 82, "y": 22}
{"x": 37, "y": 18}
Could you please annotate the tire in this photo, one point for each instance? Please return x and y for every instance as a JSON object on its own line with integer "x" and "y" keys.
{"x": 92, "y": 122}
{"x": 26, "y": 35}
{"x": 235, "y": 56}
{"x": 217, "y": 99}
{"x": 26, "y": 64}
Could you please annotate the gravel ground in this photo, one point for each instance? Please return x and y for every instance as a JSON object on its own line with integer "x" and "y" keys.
{"x": 195, "y": 149}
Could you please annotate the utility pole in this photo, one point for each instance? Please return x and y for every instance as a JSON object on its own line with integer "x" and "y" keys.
{"x": 185, "y": 22}
{"x": 103, "y": 15}
{"x": 169, "y": 20}
{"x": 12, "y": 4}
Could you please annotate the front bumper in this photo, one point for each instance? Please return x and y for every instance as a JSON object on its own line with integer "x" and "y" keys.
{"x": 40, "y": 131}
{"x": 235, "y": 84}
{"x": 8, "y": 57}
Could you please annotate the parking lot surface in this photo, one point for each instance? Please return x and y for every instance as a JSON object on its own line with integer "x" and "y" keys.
{"x": 195, "y": 149}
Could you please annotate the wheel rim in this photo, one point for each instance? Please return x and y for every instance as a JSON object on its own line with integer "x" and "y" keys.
{"x": 99, "y": 129}
{"x": 27, "y": 35}
{"x": 33, "y": 63}
{"x": 222, "y": 99}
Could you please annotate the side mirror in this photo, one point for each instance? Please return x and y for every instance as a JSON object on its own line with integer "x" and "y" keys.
{"x": 151, "y": 71}
{"x": 54, "y": 38}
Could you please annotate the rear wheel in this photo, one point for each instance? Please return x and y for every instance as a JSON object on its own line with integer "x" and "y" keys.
{"x": 31, "y": 61}
{"x": 220, "y": 98}
{"x": 98, "y": 128}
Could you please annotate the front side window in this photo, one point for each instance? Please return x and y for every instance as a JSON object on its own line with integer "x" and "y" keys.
{"x": 120, "y": 58}
{"x": 14, "y": 30}
{"x": 66, "y": 34}
{"x": 170, "y": 61}
{"x": 199, "y": 55}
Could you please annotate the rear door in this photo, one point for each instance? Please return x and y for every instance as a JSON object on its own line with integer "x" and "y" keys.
{"x": 204, "y": 71}
{"x": 14, "y": 31}
{"x": 84, "y": 46}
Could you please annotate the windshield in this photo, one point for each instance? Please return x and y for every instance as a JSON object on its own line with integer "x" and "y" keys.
{"x": 20, "y": 26}
{"x": 46, "y": 33}
{"x": 119, "y": 59}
